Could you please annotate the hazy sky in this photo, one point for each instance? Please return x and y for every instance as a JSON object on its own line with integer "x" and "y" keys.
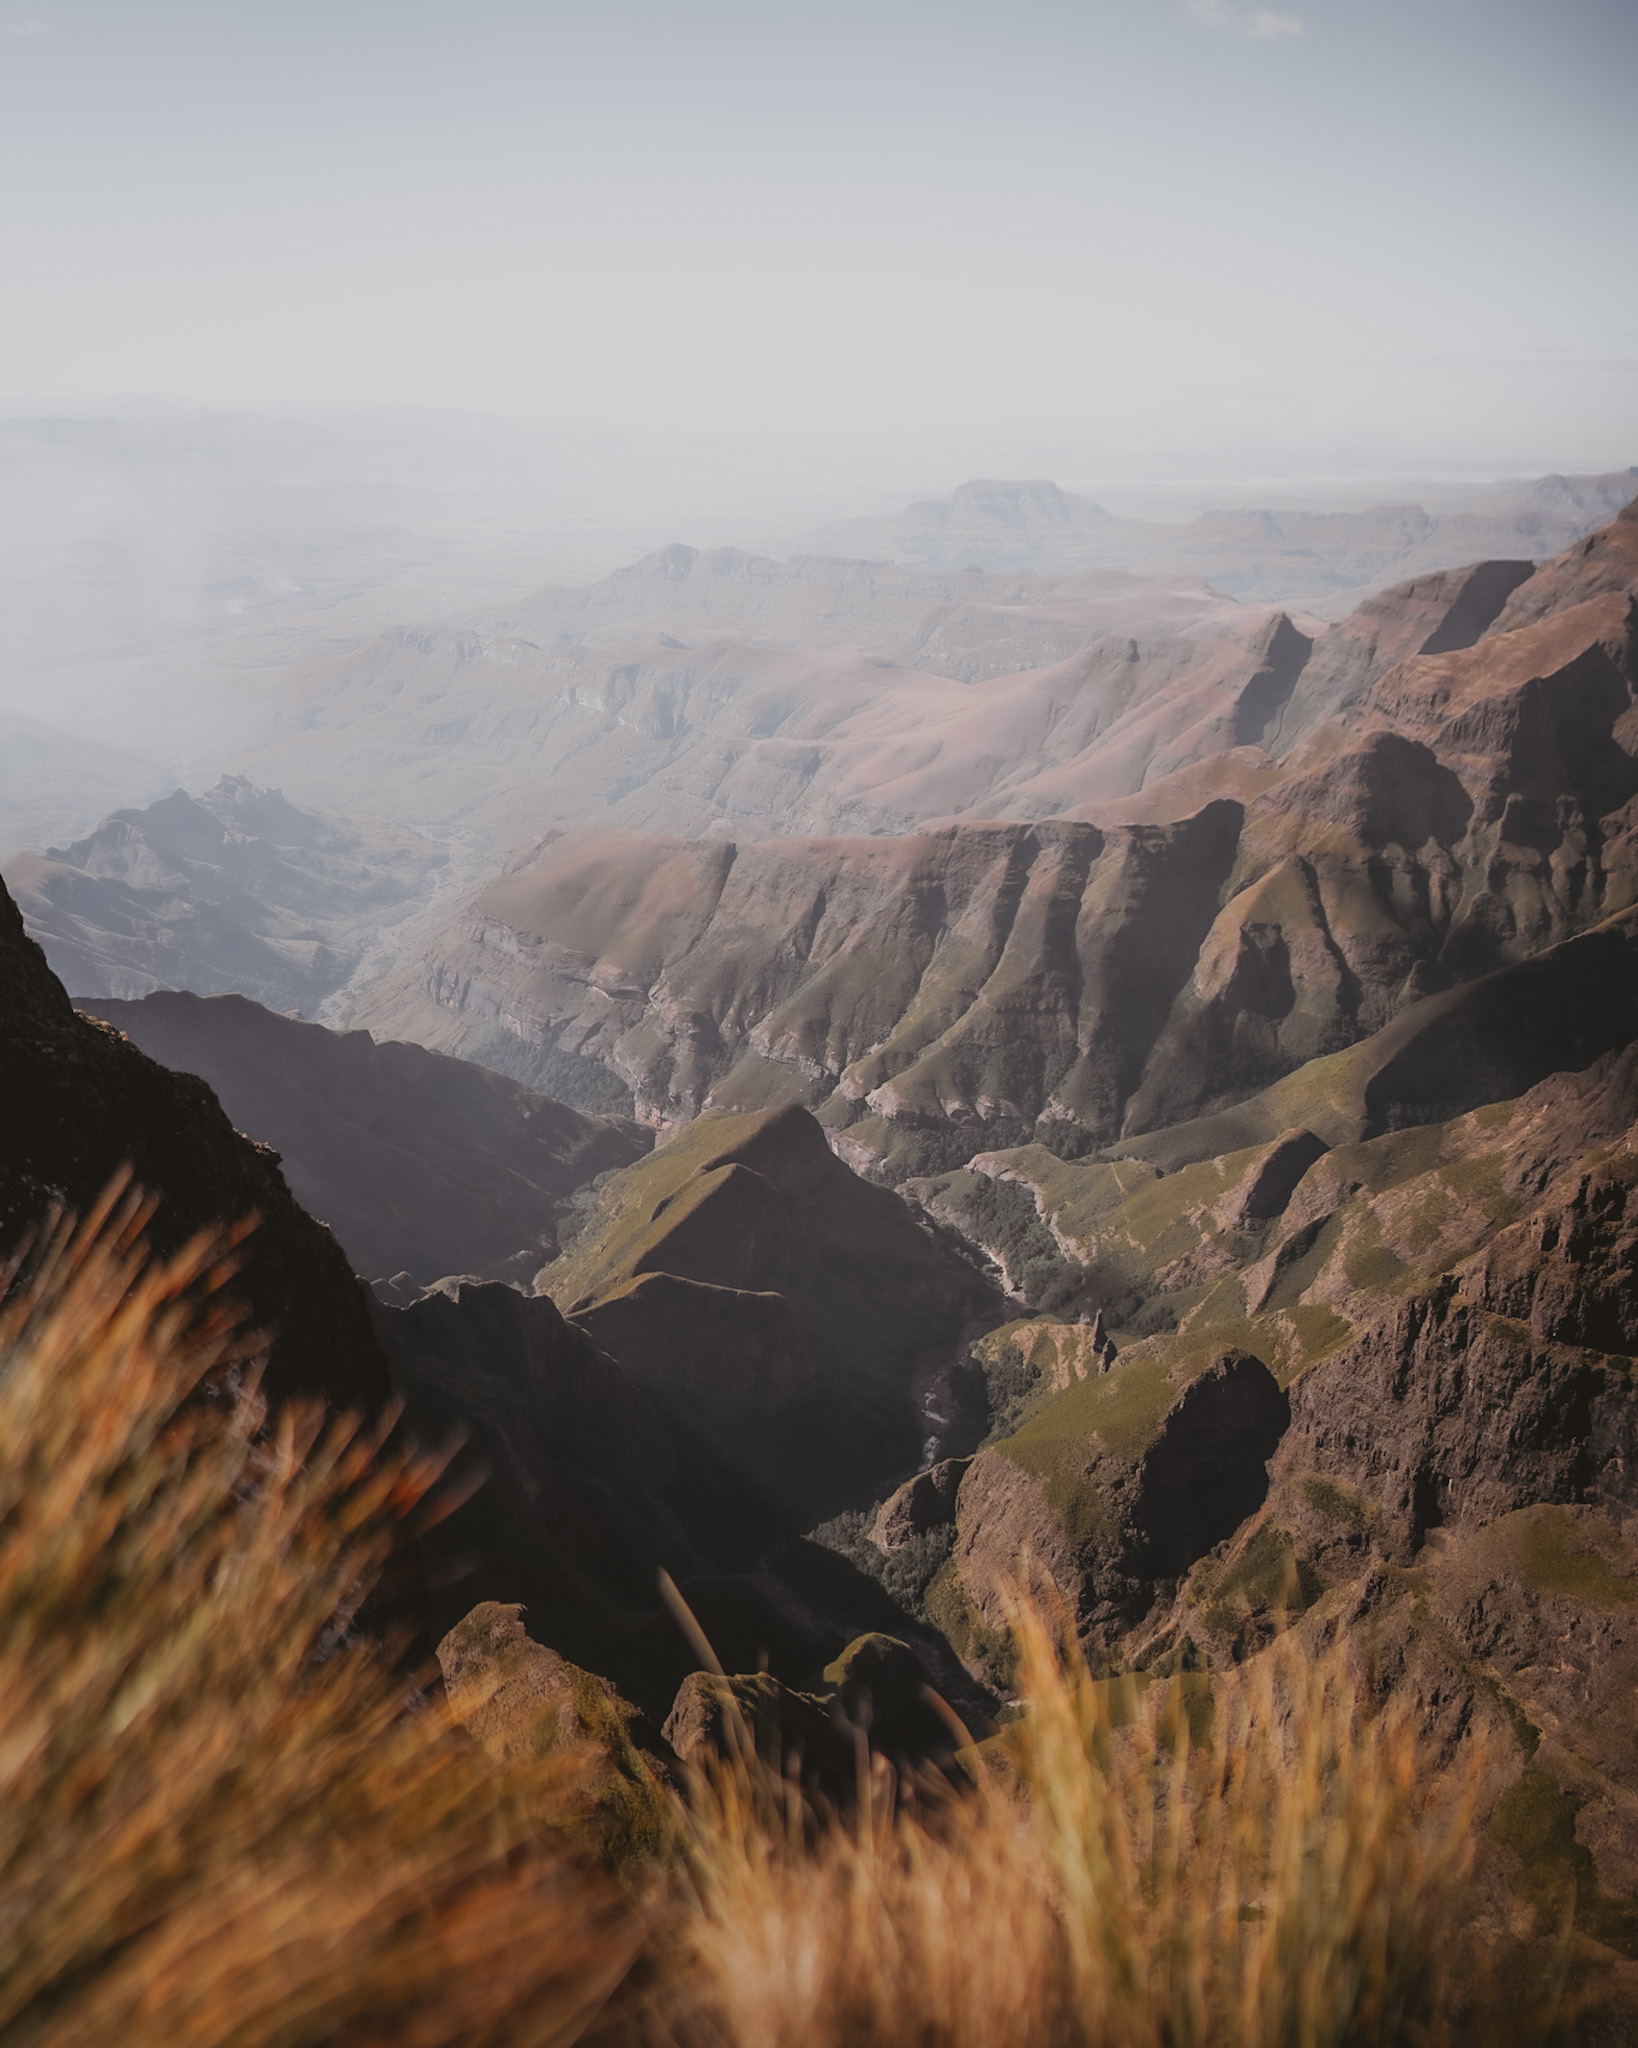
{"x": 1141, "y": 232}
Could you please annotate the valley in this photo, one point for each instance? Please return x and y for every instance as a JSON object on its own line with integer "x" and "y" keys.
{"x": 862, "y": 1087}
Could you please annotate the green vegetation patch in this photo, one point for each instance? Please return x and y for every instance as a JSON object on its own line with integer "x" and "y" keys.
{"x": 1001, "y": 1217}
{"x": 904, "y": 1573}
{"x": 1338, "y": 1503}
{"x": 637, "y": 1208}
{"x": 1368, "y": 1262}
{"x": 1012, "y": 1385}
{"x": 1268, "y": 1577}
{"x": 1556, "y": 1874}
{"x": 1479, "y": 1181}
{"x": 1301, "y": 1274}
{"x": 1318, "y": 1331}
{"x": 990, "y": 1650}
{"x": 1554, "y": 1556}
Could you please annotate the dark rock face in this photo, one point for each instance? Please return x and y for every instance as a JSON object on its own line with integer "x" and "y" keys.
{"x": 1207, "y": 1469}
{"x": 422, "y": 1165}
{"x": 717, "y": 1717}
{"x": 583, "y": 1495}
{"x": 1447, "y": 1416}
{"x": 1104, "y": 1519}
{"x": 1571, "y": 1270}
{"x": 926, "y": 1502}
{"x": 82, "y": 1103}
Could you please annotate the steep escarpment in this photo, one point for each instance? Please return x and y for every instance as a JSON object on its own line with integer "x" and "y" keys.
{"x": 422, "y": 1165}
{"x": 1446, "y": 1305}
{"x": 569, "y": 1490}
{"x": 1469, "y": 805}
{"x": 82, "y": 1104}
{"x": 801, "y": 1321}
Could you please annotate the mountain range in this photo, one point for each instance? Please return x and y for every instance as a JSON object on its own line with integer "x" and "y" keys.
{"x": 1433, "y": 789}
{"x": 1278, "y": 552}
{"x": 1155, "y": 1125}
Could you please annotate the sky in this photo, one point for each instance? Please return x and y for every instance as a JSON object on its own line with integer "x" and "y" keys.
{"x": 1119, "y": 237}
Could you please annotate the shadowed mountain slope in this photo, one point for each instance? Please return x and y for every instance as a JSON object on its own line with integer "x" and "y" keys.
{"x": 585, "y": 1489}
{"x": 802, "y": 1321}
{"x": 82, "y": 1103}
{"x": 587, "y": 1493}
{"x": 422, "y": 1165}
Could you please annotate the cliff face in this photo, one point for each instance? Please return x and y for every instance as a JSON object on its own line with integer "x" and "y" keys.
{"x": 1458, "y": 796}
{"x": 82, "y": 1103}
{"x": 1448, "y": 1305}
{"x": 423, "y": 1166}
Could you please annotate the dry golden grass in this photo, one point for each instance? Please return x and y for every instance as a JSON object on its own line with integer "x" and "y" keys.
{"x": 1283, "y": 1877}
{"x": 226, "y": 1823}
{"x": 223, "y": 1821}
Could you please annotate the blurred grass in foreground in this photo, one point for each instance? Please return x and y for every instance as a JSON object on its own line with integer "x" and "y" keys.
{"x": 1284, "y": 1874}
{"x": 221, "y": 1819}
{"x": 225, "y": 1822}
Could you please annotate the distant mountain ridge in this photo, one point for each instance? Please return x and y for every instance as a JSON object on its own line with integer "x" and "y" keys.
{"x": 1284, "y": 554}
{"x": 236, "y": 890}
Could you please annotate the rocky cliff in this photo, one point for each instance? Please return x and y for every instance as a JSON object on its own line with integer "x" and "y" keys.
{"x": 1439, "y": 814}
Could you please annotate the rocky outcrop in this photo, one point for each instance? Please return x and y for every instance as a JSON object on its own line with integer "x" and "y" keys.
{"x": 1571, "y": 1270}
{"x": 83, "y": 1104}
{"x": 1118, "y": 1486}
{"x": 1445, "y": 1416}
{"x": 519, "y": 1699}
{"x": 720, "y": 1717}
{"x": 873, "y": 1697}
{"x": 525, "y": 1706}
{"x": 926, "y": 1502}
{"x": 422, "y": 1165}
